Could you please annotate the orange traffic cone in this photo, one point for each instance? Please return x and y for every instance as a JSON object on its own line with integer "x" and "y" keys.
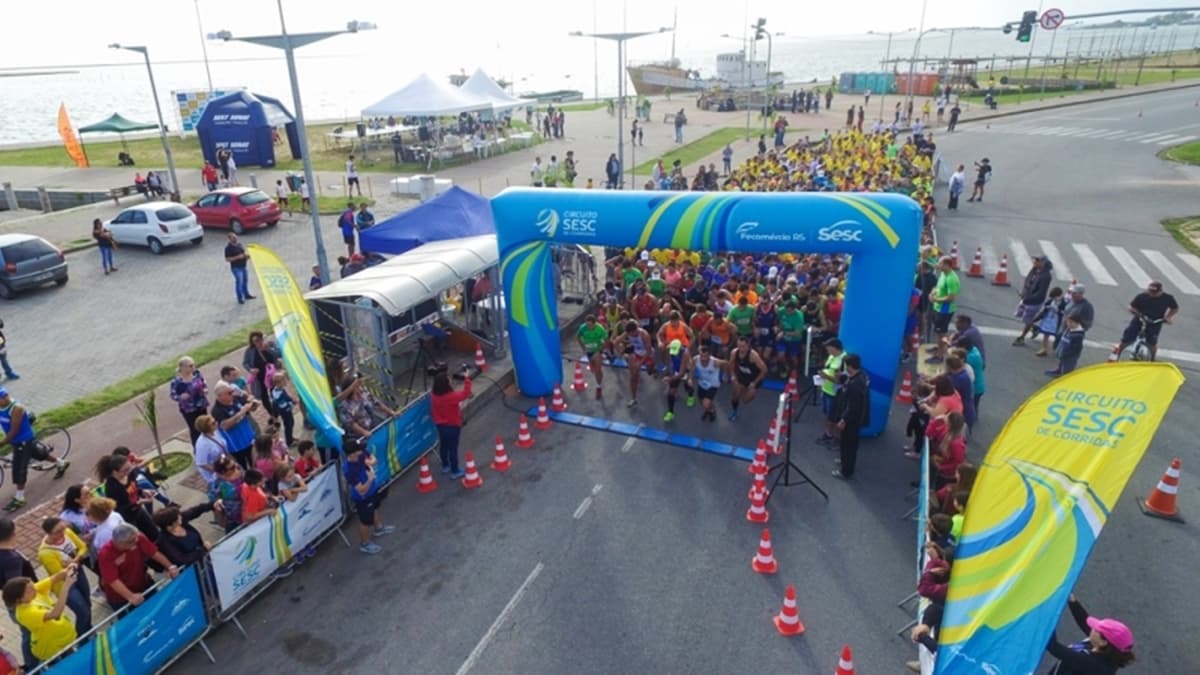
{"x": 759, "y": 465}
{"x": 425, "y": 481}
{"x": 500, "y": 461}
{"x": 524, "y": 438}
{"x": 760, "y": 485}
{"x": 976, "y": 269}
{"x": 764, "y": 561}
{"x": 472, "y": 479}
{"x": 793, "y": 385}
{"x": 480, "y": 362}
{"x": 758, "y": 508}
{"x": 579, "y": 384}
{"x": 1161, "y": 501}
{"x": 1001, "y": 278}
{"x": 557, "y": 404}
{"x": 954, "y": 255}
{"x": 915, "y": 345}
{"x": 543, "y": 418}
{"x": 773, "y": 437}
{"x": 905, "y": 395}
{"x": 788, "y": 620}
{"x": 845, "y": 662}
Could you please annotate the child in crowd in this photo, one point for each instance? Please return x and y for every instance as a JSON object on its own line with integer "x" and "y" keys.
{"x": 960, "y": 505}
{"x": 256, "y": 503}
{"x": 917, "y": 420}
{"x": 264, "y": 453}
{"x": 228, "y": 493}
{"x": 279, "y": 449}
{"x": 284, "y": 405}
{"x": 1048, "y": 317}
{"x": 939, "y": 530}
{"x": 964, "y": 479}
{"x": 935, "y": 579}
{"x": 1070, "y": 347}
{"x": 287, "y": 483}
{"x": 310, "y": 459}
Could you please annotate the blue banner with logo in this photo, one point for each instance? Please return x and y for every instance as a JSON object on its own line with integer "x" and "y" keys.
{"x": 147, "y": 636}
{"x": 402, "y": 440}
{"x": 881, "y": 231}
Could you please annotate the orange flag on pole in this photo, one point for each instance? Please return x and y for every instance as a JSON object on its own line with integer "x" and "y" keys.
{"x": 70, "y": 140}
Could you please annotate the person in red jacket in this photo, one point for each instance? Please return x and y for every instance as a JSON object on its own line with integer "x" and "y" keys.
{"x": 446, "y": 404}
{"x": 209, "y": 174}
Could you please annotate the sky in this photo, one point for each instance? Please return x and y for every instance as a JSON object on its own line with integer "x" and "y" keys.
{"x": 476, "y": 30}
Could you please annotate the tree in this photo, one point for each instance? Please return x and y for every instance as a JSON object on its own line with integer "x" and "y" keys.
{"x": 149, "y": 416}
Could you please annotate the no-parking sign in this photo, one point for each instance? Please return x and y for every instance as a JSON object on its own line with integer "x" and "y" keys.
{"x": 1052, "y": 18}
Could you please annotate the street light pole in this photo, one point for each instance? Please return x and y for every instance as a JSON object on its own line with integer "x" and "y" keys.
{"x": 162, "y": 127}
{"x": 620, "y": 39}
{"x": 912, "y": 64}
{"x": 289, "y": 43}
{"x": 203, "y": 46}
{"x": 770, "y": 102}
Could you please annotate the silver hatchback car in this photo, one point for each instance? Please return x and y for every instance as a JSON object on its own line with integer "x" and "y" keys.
{"x": 28, "y": 261}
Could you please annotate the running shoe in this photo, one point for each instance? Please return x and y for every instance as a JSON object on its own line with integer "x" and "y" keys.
{"x": 61, "y": 470}
{"x": 1018, "y": 342}
{"x": 598, "y": 394}
{"x": 733, "y": 415}
{"x": 370, "y": 548}
{"x": 691, "y": 401}
{"x": 14, "y": 504}
{"x": 632, "y": 402}
{"x": 669, "y": 417}
{"x": 445, "y": 468}
{"x": 458, "y": 474}
{"x": 384, "y": 530}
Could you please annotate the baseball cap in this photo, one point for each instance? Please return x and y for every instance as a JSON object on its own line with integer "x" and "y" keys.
{"x": 3, "y": 392}
{"x": 644, "y": 255}
{"x": 1076, "y": 288}
{"x": 1114, "y": 632}
{"x": 833, "y": 342}
{"x": 674, "y": 347}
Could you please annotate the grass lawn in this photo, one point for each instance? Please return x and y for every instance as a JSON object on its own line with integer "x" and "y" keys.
{"x": 1186, "y": 231}
{"x": 581, "y": 106}
{"x": 326, "y": 155}
{"x": 1124, "y": 75}
{"x": 690, "y": 153}
{"x": 1189, "y": 153}
{"x": 173, "y": 463}
{"x": 115, "y": 394}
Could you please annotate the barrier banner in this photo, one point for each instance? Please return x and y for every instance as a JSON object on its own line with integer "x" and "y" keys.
{"x": 1044, "y": 492}
{"x": 402, "y": 440}
{"x": 922, "y": 509}
{"x": 246, "y": 557}
{"x": 298, "y": 343}
{"x": 148, "y": 636}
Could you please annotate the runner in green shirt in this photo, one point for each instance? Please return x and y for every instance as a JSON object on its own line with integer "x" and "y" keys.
{"x": 791, "y": 335}
{"x": 593, "y": 338}
{"x": 656, "y": 285}
{"x": 629, "y": 275}
{"x": 944, "y": 297}
{"x": 742, "y": 317}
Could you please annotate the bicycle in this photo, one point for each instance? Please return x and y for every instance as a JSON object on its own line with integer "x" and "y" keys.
{"x": 1140, "y": 349}
{"x": 51, "y": 439}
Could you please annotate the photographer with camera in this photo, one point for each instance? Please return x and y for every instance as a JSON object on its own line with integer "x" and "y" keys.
{"x": 359, "y": 411}
{"x": 446, "y": 403}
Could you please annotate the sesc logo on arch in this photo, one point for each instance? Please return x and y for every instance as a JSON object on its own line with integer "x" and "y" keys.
{"x": 547, "y": 222}
{"x": 551, "y": 223}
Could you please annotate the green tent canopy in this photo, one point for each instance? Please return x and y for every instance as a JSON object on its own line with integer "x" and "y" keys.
{"x": 117, "y": 123}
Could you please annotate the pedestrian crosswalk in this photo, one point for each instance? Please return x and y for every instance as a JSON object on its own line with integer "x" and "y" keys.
{"x": 1112, "y": 266}
{"x": 1142, "y": 136}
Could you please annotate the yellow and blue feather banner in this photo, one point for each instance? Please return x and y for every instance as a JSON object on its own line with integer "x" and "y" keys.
{"x": 1044, "y": 491}
{"x": 298, "y": 343}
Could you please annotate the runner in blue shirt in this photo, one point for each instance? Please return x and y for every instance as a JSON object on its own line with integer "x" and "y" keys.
{"x": 359, "y": 469}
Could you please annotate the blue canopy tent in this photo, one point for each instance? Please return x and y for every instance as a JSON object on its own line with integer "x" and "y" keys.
{"x": 244, "y": 122}
{"x": 454, "y": 214}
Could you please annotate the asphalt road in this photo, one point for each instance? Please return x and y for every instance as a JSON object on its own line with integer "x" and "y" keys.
{"x": 595, "y": 554}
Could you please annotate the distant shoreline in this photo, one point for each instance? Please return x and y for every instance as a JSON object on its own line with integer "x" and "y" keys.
{"x": 36, "y": 73}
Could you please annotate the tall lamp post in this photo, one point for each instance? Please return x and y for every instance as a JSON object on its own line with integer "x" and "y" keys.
{"x": 620, "y": 39}
{"x": 203, "y": 47}
{"x": 289, "y": 43}
{"x": 770, "y": 46}
{"x": 162, "y": 127}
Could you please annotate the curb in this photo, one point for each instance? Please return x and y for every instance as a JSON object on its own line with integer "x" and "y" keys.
{"x": 1075, "y": 102}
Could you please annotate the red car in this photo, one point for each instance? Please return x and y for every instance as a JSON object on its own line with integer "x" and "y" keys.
{"x": 238, "y": 209}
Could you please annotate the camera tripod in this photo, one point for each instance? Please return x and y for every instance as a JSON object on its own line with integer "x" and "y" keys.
{"x": 787, "y": 466}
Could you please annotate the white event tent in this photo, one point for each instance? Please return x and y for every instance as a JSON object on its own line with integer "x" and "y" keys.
{"x": 427, "y": 97}
{"x": 482, "y": 86}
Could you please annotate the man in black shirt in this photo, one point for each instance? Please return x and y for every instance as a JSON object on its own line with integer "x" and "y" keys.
{"x": 1157, "y": 308}
{"x": 235, "y": 255}
{"x": 854, "y": 413}
{"x": 983, "y": 171}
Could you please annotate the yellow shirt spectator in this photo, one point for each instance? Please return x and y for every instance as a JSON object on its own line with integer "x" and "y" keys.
{"x": 59, "y": 549}
{"x": 47, "y": 636}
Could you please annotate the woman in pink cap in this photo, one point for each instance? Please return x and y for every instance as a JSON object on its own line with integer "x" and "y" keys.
{"x": 1107, "y": 648}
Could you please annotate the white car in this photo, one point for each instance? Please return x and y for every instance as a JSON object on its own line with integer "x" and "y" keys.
{"x": 156, "y": 225}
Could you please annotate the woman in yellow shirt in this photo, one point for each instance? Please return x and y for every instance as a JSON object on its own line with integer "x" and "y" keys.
{"x": 61, "y": 548}
{"x": 42, "y": 615}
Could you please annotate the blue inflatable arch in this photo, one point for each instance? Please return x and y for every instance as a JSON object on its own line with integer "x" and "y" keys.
{"x": 881, "y": 231}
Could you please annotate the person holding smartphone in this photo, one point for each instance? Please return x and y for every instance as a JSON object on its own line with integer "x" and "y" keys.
{"x": 40, "y": 612}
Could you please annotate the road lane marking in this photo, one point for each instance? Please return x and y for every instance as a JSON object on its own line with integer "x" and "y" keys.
{"x": 1130, "y": 265}
{"x": 628, "y": 443}
{"x": 991, "y": 261}
{"x": 477, "y": 652}
{"x": 1181, "y": 139}
{"x": 1092, "y": 262}
{"x": 583, "y": 507}
{"x": 1191, "y": 261}
{"x": 1158, "y": 137}
{"x": 1111, "y": 135}
{"x": 1169, "y": 270}
{"x": 1020, "y": 257}
{"x": 1061, "y": 271}
{"x": 1172, "y": 354}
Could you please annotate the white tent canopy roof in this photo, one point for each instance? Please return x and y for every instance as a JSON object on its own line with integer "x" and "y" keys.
{"x": 417, "y": 275}
{"x": 482, "y": 86}
{"x": 427, "y": 97}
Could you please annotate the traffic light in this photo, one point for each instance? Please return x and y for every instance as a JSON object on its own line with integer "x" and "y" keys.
{"x": 1025, "y": 32}
{"x": 760, "y": 29}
